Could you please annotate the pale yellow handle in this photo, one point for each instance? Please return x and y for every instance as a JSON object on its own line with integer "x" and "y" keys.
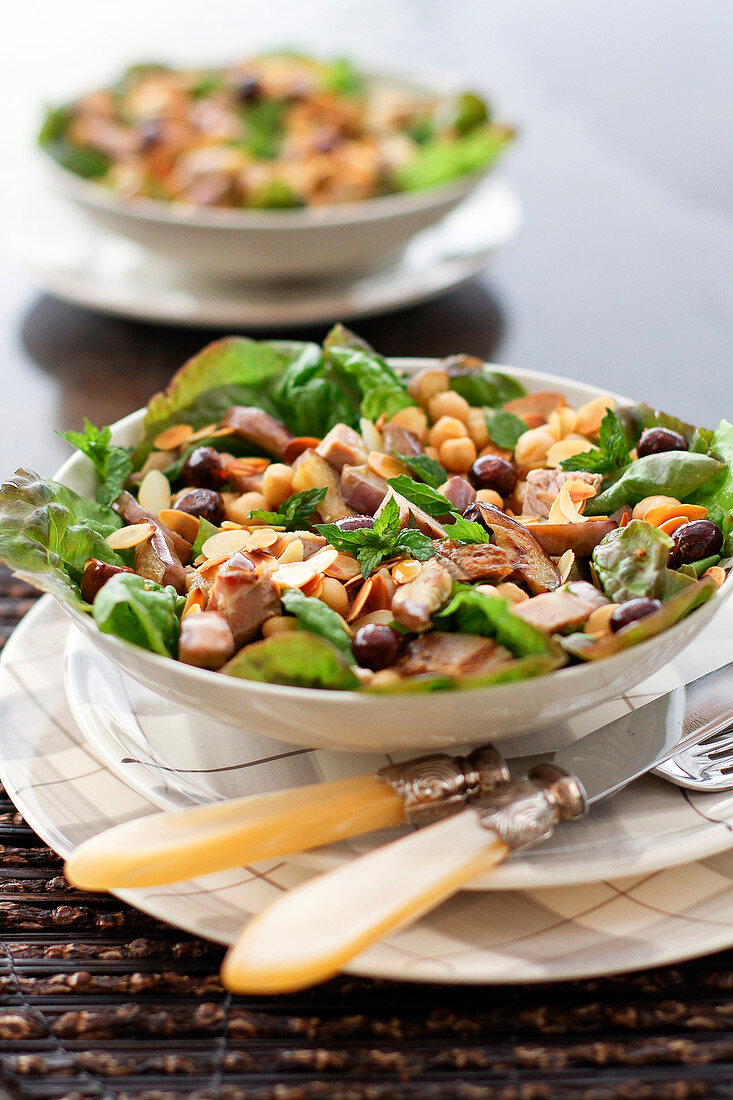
{"x": 309, "y": 933}
{"x": 182, "y": 844}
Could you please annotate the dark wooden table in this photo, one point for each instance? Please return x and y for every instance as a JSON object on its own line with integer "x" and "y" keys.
{"x": 621, "y": 276}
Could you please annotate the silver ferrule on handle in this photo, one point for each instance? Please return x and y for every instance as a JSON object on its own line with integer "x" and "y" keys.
{"x": 527, "y": 810}
{"x": 432, "y": 787}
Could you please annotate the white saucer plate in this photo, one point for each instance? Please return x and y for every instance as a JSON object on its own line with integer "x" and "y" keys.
{"x": 174, "y": 757}
{"x": 75, "y": 259}
{"x": 67, "y": 794}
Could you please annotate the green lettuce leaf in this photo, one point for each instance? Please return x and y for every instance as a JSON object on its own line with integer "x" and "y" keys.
{"x": 310, "y": 397}
{"x": 504, "y": 428}
{"x": 474, "y": 612}
{"x": 382, "y": 393}
{"x": 141, "y": 612}
{"x": 612, "y": 452}
{"x": 315, "y": 616}
{"x": 588, "y": 648}
{"x": 523, "y": 668}
{"x": 47, "y": 533}
{"x": 717, "y": 494}
{"x": 672, "y": 473}
{"x": 441, "y": 159}
{"x": 632, "y": 561}
{"x": 112, "y": 464}
{"x": 232, "y": 371}
{"x": 298, "y": 658}
{"x": 483, "y": 387}
{"x": 635, "y": 419}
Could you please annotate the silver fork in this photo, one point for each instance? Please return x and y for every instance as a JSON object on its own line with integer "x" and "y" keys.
{"x": 706, "y": 766}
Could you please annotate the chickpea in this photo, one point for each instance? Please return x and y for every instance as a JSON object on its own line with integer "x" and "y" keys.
{"x": 278, "y": 624}
{"x": 457, "y": 455}
{"x": 334, "y": 595}
{"x": 532, "y": 447}
{"x": 477, "y": 429}
{"x": 413, "y": 420}
{"x": 277, "y": 484}
{"x": 489, "y": 496}
{"x": 562, "y": 421}
{"x": 432, "y": 452}
{"x": 590, "y": 415}
{"x": 447, "y": 428}
{"x": 449, "y": 404}
{"x": 427, "y": 384}
{"x": 238, "y": 510}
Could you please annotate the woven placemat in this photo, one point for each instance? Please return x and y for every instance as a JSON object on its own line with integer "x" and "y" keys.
{"x": 98, "y": 1000}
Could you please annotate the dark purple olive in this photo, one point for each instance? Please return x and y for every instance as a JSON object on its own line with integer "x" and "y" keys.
{"x": 151, "y": 134}
{"x": 354, "y": 523}
{"x": 656, "y": 440}
{"x": 204, "y": 469}
{"x": 248, "y": 90}
{"x": 493, "y": 472}
{"x": 376, "y": 646}
{"x": 95, "y": 576}
{"x": 633, "y": 610}
{"x": 693, "y": 541}
{"x": 204, "y": 503}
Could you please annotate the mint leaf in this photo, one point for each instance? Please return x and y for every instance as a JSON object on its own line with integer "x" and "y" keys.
{"x": 415, "y": 543}
{"x": 464, "y": 530}
{"x": 424, "y": 467}
{"x": 373, "y": 545}
{"x": 611, "y": 453}
{"x": 294, "y": 513}
{"x": 388, "y": 519}
{"x": 112, "y": 464}
{"x": 424, "y": 496}
{"x": 504, "y": 428}
{"x": 316, "y": 617}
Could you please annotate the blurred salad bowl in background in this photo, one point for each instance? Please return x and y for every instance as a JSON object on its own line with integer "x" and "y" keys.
{"x": 291, "y": 535}
{"x": 279, "y": 167}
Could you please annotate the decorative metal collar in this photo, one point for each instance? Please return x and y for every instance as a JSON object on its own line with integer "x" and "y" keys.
{"x": 434, "y": 786}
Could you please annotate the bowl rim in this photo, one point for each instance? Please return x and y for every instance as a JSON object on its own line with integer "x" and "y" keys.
{"x": 567, "y": 676}
{"x": 438, "y": 81}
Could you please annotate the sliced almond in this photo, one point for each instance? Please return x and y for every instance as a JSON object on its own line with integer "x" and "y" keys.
{"x": 717, "y": 573}
{"x": 173, "y": 438}
{"x": 127, "y": 537}
{"x": 157, "y": 460}
{"x": 313, "y": 587}
{"x": 292, "y": 552}
{"x": 599, "y": 621}
{"x": 202, "y": 433}
{"x": 386, "y": 466}
{"x": 564, "y": 509}
{"x": 230, "y": 525}
{"x": 225, "y": 543}
{"x": 381, "y": 618}
{"x": 345, "y": 568}
{"x": 383, "y": 589}
{"x": 660, "y": 513}
{"x": 184, "y": 524}
{"x": 247, "y": 467}
{"x": 296, "y": 574}
{"x": 195, "y": 601}
{"x": 579, "y": 490}
{"x": 562, "y": 421}
{"x": 155, "y": 492}
{"x": 261, "y": 539}
{"x": 565, "y": 565}
{"x": 370, "y": 435}
{"x": 406, "y": 571}
{"x": 360, "y": 600}
{"x": 670, "y": 525}
{"x": 645, "y": 505}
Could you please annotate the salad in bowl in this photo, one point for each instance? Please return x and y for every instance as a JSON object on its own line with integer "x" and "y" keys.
{"x": 292, "y": 535}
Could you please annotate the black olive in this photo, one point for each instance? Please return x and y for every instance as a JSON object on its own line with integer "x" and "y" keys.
{"x": 654, "y": 441}
{"x": 354, "y": 523}
{"x": 204, "y": 503}
{"x": 376, "y": 646}
{"x": 633, "y": 610}
{"x": 693, "y": 541}
{"x": 151, "y": 134}
{"x": 95, "y": 576}
{"x": 248, "y": 90}
{"x": 494, "y": 472}
{"x": 204, "y": 469}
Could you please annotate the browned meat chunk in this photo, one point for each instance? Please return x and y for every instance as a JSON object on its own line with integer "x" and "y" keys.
{"x": 155, "y": 560}
{"x": 411, "y": 515}
{"x": 342, "y": 447}
{"x": 313, "y": 472}
{"x": 244, "y": 597}
{"x": 362, "y": 489}
{"x": 414, "y": 604}
{"x": 544, "y": 485}
{"x": 469, "y": 562}
{"x": 581, "y": 538}
{"x": 459, "y": 492}
{"x": 95, "y": 576}
{"x": 453, "y": 655}
{"x": 531, "y": 564}
{"x": 587, "y": 592}
{"x": 132, "y": 512}
{"x": 257, "y": 427}
{"x": 557, "y": 611}
{"x": 535, "y": 408}
{"x": 401, "y": 441}
{"x": 206, "y": 640}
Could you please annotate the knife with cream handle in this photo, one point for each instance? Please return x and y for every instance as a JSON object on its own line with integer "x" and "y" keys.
{"x": 181, "y": 844}
{"x": 313, "y": 930}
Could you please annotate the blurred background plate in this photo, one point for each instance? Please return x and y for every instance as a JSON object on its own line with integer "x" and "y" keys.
{"x": 70, "y": 256}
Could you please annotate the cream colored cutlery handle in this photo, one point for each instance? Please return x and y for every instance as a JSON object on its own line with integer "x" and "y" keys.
{"x": 182, "y": 844}
{"x": 309, "y": 933}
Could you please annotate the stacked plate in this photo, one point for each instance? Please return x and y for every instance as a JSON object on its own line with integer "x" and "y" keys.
{"x": 646, "y": 879}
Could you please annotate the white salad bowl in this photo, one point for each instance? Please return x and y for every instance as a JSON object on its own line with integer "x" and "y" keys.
{"x": 361, "y": 722}
{"x": 314, "y": 243}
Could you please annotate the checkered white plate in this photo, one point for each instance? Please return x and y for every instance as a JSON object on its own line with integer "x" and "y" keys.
{"x": 67, "y": 793}
{"x": 177, "y": 757}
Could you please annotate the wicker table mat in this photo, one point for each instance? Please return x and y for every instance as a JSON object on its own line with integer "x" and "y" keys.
{"x": 98, "y": 1000}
